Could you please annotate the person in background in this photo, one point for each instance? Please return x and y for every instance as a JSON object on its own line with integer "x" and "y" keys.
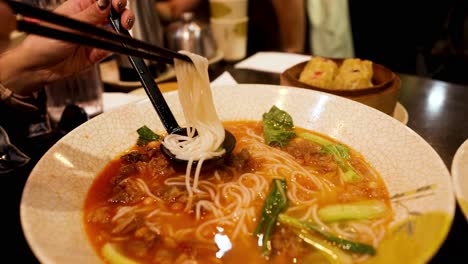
{"x": 37, "y": 61}
{"x": 330, "y": 28}
{"x": 291, "y": 20}
{"x": 274, "y": 25}
{"x": 412, "y": 37}
{"x": 398, "y": 34}
{"x": 172, "y": 10}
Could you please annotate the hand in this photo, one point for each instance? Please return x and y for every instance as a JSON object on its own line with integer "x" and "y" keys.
{"x": 38, "y": 60}
{"x": 60, "y": 59}
{"x": 7, "y": 24}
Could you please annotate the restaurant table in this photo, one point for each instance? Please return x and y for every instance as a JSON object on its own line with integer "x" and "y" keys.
{"x": 438, "y": 112}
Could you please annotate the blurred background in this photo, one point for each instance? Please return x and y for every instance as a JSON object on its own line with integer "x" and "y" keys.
{"x": 427, "y": 38}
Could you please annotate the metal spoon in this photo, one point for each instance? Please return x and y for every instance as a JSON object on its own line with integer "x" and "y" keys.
{"x": 159, "y": 103}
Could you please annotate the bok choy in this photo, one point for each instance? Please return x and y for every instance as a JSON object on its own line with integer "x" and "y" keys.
{"x": 275, "y": 203}
{"x": 333, "y": 254}
{"x": 344, "y": 244}
{"x": 339, "y": 152}
{"x": 367, "y": 209}
{"x": 145, "y": 135}
{"x": 278, "y": 127}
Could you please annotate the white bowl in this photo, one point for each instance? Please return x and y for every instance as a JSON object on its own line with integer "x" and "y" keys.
{"x": 51, "y": 206}
{"x": 460, "y": 176}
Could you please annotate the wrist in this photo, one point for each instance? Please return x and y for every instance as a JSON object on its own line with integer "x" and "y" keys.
{"x": 17, "y": 74}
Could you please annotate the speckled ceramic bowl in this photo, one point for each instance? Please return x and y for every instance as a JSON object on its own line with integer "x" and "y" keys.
{"x": 460, "y": 176}
{"x": 416, "y": 177}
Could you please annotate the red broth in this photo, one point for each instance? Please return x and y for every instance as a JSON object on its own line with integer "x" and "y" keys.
{"x": 140, "y": 203}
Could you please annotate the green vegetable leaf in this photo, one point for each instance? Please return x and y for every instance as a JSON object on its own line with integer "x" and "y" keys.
{"x": 278, "y": 127}
{"x": 146, "y": 135}
{"x": 339, "y": 152}
{"x": 366, "y": 209}
{"x": 333, "y": 254}
{"x": 275, "y": 203}
{"x": 315, "y": 138}
{"x": 337, "y": 241}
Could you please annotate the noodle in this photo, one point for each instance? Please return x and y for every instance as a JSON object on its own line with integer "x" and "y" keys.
{"x": 227, "y": 201}
{"x": 200, "y": 115}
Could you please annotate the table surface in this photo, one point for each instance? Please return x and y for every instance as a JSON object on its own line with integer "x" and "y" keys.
{"x": 438, "y": 112}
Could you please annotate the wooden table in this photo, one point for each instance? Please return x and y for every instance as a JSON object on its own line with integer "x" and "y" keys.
{"x": 438, "y": 112}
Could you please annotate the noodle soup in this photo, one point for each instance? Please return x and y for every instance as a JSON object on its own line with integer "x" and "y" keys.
{"x": 141, "y": 209}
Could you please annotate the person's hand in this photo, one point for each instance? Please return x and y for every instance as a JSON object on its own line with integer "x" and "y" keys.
{"x": 7, "y": 24}
{"x": 39, "y": 60}
{"x": 59, "y": 59}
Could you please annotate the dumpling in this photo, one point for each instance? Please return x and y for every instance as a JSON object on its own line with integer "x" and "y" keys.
{"x": 354, "y": 74}
{"x": 319, "y": 72}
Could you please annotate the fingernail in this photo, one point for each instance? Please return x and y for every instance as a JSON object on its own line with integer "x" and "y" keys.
{"x": 120, "y": 6}
{"x": 130, "y": 22}
{"x": 103, "y": 4}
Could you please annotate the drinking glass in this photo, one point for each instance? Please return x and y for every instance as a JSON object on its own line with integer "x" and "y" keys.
{"x": 84, "y": 89}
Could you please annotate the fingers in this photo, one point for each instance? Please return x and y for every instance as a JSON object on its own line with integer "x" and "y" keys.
{"x": 98, "y": 13}
{"x": 103, "y": 4}
{"x": 94, "y": 13}
{"x": 98, "y": 55}
{"x": 119, "y": 5}
{"x": 127, "y": 19}
{"x": 127, "y": 16}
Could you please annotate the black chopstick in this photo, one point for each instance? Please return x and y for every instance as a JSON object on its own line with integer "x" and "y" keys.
{"x": 87, "y": 41}
{"x": 102, "y": 38}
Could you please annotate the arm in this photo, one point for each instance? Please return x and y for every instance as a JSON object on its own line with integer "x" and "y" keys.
{"x": 37, "y": 60}
{"x": 291, "y": 20}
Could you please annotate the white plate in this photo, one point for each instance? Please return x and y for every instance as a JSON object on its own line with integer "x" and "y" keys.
{"x": 53, "y": 197}
{"x": 460, "y": 176}
{"x": 110, "y": 74}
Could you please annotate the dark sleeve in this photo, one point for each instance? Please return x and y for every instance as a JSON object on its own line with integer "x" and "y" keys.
{"x": 10, "y": 156}
{"x": 24, "y": 122}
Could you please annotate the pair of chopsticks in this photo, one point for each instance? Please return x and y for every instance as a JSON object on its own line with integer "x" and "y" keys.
{"x": 88, "y": 35}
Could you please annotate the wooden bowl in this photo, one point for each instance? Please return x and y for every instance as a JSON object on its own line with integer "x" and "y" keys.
{"x": 383, "y": 95}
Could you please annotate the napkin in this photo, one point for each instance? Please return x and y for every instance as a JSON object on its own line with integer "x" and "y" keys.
{"x": 275, "y": 62}
{"x": 224, "y": 79}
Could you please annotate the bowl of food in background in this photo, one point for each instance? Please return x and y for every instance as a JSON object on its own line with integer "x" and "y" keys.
{"x": 360, "y": 80}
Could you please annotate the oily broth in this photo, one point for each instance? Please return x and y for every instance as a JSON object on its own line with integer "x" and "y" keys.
{"x": 169, "y": 238}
